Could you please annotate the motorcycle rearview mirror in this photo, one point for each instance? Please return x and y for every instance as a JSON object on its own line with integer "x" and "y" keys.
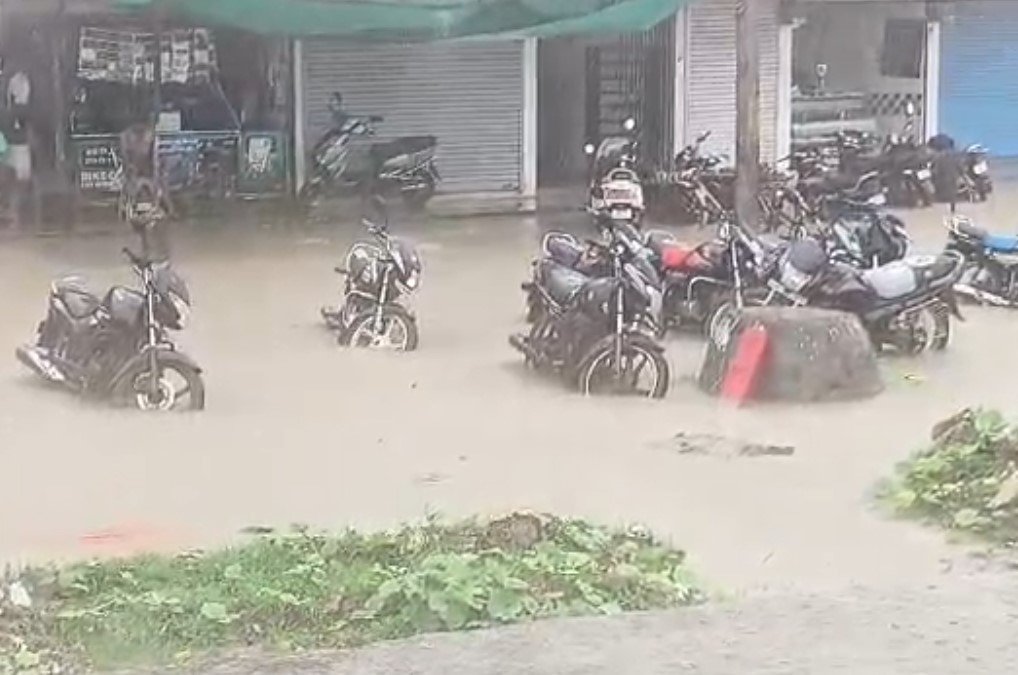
{"x": 629, "y": 124}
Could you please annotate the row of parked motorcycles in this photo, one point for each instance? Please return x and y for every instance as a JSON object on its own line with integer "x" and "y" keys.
{"x": 895, "y": 170}
{"x": 599, "y": 308}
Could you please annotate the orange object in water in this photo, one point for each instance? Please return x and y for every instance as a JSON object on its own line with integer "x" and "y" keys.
{"x": 744, "y": 367}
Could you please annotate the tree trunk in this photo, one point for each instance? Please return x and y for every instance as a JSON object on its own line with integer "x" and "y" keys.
{"x": 811, "y": 355}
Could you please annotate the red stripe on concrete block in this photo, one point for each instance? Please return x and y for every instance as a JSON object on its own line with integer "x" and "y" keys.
{"x": 745, "y": 365}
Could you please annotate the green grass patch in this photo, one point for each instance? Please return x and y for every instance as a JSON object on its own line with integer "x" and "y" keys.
{"x": 304, "y": 590}
{"x": 966, "y": 480}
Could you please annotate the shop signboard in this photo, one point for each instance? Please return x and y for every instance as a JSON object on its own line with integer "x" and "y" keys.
{"x": 263, "y": 167}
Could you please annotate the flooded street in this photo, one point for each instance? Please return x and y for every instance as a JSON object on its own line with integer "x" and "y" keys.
{"x": 298, "y": 430}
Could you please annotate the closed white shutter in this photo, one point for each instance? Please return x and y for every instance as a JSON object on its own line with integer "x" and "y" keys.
{"x": 469, "y": 95}
{"x": 711, "y": 75}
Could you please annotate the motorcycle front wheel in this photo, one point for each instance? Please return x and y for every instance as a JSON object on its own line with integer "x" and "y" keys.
{"x": 180, "y": 388}
{"x": 395, "y": 330}
{"x": 643, "y": 370}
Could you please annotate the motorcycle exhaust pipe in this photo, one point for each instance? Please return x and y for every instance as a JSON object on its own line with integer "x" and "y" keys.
{"x": 30, "y": 357}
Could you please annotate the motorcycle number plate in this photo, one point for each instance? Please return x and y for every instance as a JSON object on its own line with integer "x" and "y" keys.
{"x": 980, "y": 168}
{"x": 923, "y": 174}
{"x": 621, "y": 214}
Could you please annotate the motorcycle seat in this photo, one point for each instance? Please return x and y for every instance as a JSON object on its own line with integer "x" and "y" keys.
{"x": 564, "y": 250}
{"x": 903, "y": 277}
{"x": 404, "y": 147}
{"x": 561, "y": 283}
{"x": 1001, "y": 243}
{"x": 79, "y": 300}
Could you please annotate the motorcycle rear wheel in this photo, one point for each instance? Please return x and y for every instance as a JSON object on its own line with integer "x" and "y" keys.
{"x": 598, "y": 368}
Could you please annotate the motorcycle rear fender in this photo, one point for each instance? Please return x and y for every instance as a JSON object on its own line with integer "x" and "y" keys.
{"x": 164, "y": 354}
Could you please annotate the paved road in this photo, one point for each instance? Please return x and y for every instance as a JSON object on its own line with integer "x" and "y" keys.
{"x": 300, "y": 431}
{"x": 933, "y": 631}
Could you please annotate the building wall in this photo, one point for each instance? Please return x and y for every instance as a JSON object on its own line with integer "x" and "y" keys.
{"x": 849, "y": 38}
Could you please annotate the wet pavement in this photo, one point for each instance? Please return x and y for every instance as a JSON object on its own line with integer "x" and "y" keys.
{"x": 298, "y": 430}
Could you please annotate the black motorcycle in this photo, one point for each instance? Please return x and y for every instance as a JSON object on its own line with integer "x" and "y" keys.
{"x": 597, "y": 331}
{"x": 905, "y": 305}
{"x": 861, "y": 233}
{"x": 991, "y": 263}
{"x": 340, "y": 166}
{"x": 377, "y": 277}
{"x": 118, "y": 347}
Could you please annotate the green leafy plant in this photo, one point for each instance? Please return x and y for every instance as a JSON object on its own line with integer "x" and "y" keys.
{"x": 307, "y": 590}
{"x": 966, "y": 480}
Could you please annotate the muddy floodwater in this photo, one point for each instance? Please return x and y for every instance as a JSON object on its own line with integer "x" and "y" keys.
{"x": 298, "y": 430}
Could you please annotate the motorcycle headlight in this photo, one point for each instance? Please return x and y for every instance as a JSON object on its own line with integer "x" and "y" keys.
{"x": 182, "y": 308}
{"x": 412, "y": 280}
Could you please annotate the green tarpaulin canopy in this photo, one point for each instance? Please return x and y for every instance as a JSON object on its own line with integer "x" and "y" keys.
{"x": 422, "y": 19}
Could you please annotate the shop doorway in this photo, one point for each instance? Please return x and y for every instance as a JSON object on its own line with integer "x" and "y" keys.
{"x": 587, "y": 87}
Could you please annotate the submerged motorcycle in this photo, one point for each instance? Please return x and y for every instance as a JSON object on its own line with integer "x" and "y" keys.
{"x": 117, "y": 346}
{"x": 991, "y": 263}
{"x": 597, "y": 331}
{"x": 906, "y": 304}
{"x": 405, "y": 165}
{"x": 377, "y": 277}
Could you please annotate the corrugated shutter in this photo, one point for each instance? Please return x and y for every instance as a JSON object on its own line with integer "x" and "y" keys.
{"x": 469, "y": 95}
{"x": 979, "y": 75}
{"x": 711, "y": 74}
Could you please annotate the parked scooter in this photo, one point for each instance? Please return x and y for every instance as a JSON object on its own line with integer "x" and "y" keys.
{"x": 117, "y": 347}
{"x": 991, "y": 263}
{"x": 377, "y": 277}
{"x": 340, "y": 166}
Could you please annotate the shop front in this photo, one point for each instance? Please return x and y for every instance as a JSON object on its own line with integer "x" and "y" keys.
{"x": 979, "y": 74}
{"x": 222, "y": 108}
{"x": 470, "y": 95}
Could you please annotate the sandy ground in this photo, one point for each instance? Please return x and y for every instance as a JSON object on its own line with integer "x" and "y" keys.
{"x": 298, "y": 430}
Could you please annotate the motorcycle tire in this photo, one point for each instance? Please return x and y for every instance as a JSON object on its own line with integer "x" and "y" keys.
{"x": 131, "y": 392}
{"x": 361, "y": 329}
{"x": 636, "y": 346}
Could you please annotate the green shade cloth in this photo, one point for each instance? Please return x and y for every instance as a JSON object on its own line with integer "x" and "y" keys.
{"x": 421, "y": 19}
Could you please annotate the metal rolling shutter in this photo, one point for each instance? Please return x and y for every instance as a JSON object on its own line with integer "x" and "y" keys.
{"x": 711, "y": 83}
{"x": 469, "y": 95}
{"x": 979, "y": 75}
